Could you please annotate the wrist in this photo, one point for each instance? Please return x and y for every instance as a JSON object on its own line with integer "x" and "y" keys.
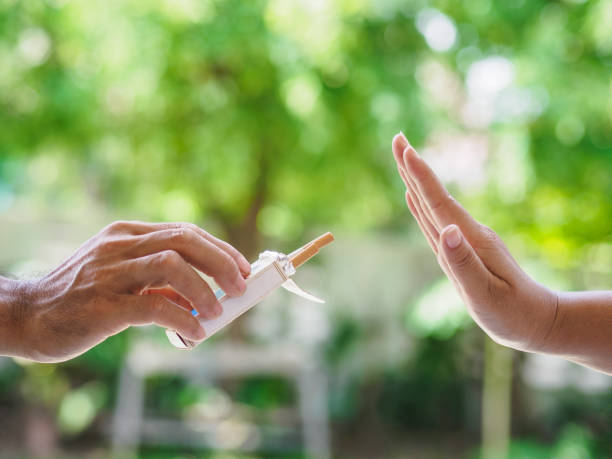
{"x": 581, "y": 328}
{"x": 543, "y": 340}
{"x": 12, "y": 311}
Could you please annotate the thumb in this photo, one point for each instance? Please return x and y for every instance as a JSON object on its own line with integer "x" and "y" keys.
{"x": 464, "y": 264}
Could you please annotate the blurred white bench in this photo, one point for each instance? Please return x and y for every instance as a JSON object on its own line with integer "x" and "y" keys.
{"x": 209, "y": 363}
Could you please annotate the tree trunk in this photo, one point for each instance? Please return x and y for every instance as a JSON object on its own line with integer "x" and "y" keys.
{"x": 496, "y": 400}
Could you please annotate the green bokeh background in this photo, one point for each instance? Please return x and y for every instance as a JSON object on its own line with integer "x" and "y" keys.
{"x": 268, "y": 121}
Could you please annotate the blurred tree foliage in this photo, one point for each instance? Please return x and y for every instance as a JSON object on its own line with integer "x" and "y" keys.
{"x": 267, "y": 118}
{"x": 225, "y": 110}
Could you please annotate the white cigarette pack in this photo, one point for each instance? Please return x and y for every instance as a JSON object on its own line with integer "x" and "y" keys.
{"x": 271, "y": 271}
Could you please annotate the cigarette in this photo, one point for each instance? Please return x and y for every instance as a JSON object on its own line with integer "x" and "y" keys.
{"x": 306, "y": 252}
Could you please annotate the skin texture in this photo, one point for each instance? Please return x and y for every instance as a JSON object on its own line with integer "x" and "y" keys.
{"x": 503, "y": 300}
{"x": 131, "y": 273}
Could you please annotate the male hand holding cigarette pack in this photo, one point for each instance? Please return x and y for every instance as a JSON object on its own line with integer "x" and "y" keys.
{"x": 135, "y": 273}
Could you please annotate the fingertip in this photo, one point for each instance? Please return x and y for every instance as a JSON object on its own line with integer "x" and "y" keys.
{"x": 245, "y": 266}
{"x": 400, "y": 140}
{"x": 230, "y": 277}
{"x": 409, "y": 156}
{"x": 398, "y": 144}
{"x": 236, "y": 286}
{"x": 198, "y": 332}
{"x": 210, "y": 311}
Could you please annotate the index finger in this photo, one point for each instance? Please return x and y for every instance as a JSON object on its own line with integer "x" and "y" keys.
{"x": 243, "y": 264}
{"x": 241, "y": 261}
{"x": 444, "y": 209}
{"x": 197, "y": 251}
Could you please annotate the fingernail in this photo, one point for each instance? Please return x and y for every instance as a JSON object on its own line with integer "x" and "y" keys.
{"x": 453, "y": 237}
{"x": 218, "y": 309}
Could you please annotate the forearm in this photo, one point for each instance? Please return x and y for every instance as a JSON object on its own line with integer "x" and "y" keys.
{"x": 10, "y": 316}
{"x": 582, "y": 329}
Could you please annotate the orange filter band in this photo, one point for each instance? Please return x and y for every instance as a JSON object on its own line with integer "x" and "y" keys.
{"x": 305, "y": 253}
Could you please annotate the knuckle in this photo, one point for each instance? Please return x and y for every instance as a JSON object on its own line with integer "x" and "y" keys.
{"x": 488, "y": 234}
{"x": 192, "y": 227}
{"x": 183, "y": 225}
{"x": 108, "y": 298}
{"x": 176, "y": 234}
{"x": 440, "y": 202}
{"x": 157, "y": 306}
{"x": 169, "y": 259}
{"x": 108, "y": 229}
{"x": 154, "y": 308}
{"x": 182, "y": 235}
{"x": 86, "y": 273}
{"x": 436, "y": 205}
{"x": 496, "y": 289}
{"x": 464, "y": 259}
{"x": 118, "y": 226}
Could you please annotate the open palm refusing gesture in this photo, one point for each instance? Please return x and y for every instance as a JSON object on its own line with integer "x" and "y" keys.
{"x": 505, "y": 302}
